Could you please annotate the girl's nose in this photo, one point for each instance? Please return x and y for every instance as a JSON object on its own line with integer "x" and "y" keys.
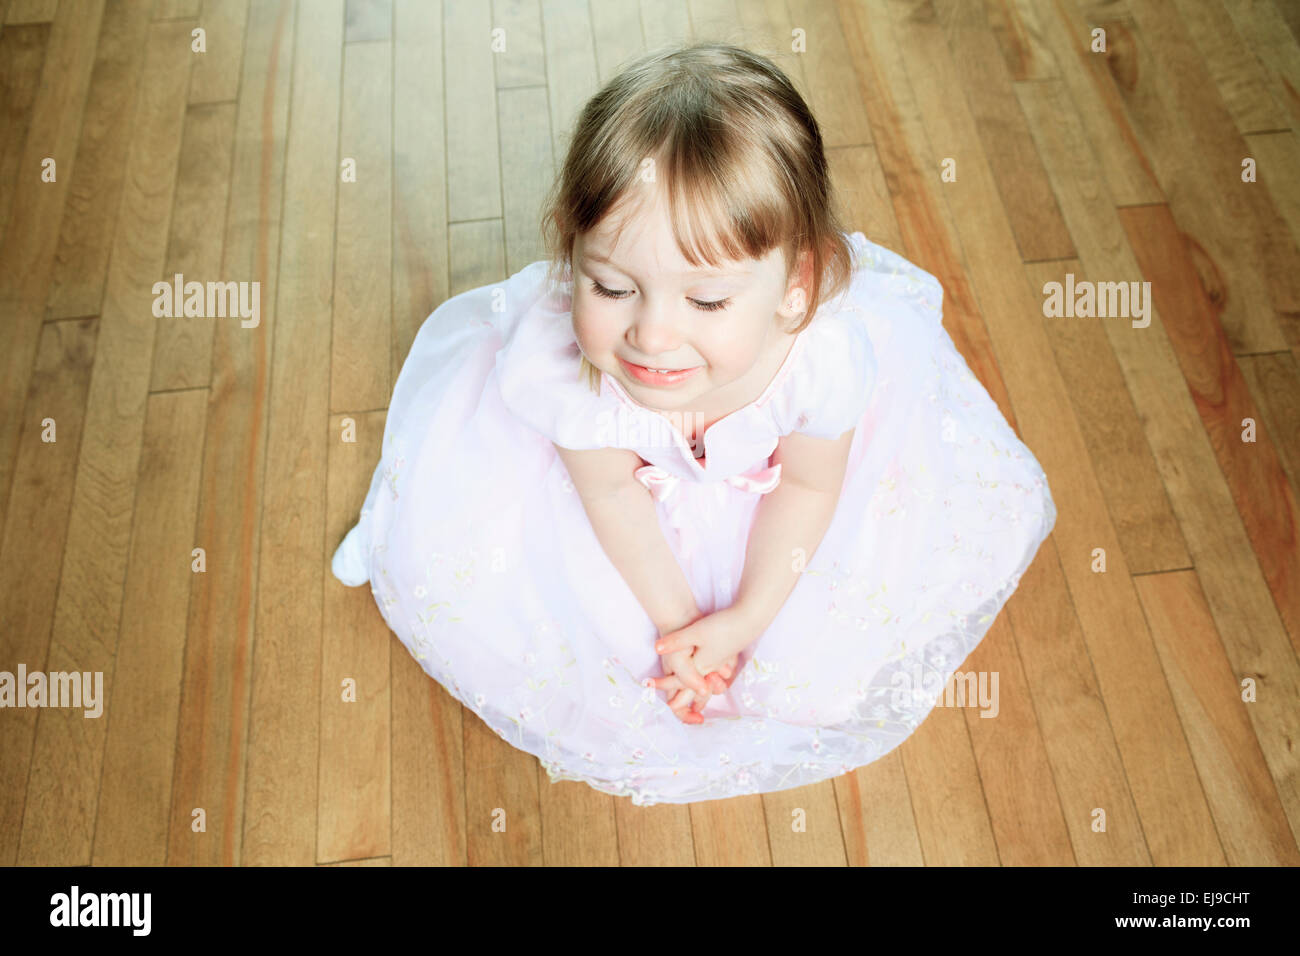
{"x": 653, "y": 335}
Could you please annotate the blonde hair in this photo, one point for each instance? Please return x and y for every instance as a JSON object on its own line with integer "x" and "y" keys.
{"x": 737, "y": 152}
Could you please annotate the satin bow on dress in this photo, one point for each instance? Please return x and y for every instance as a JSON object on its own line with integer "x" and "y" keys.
{"x": 661, "y": 484}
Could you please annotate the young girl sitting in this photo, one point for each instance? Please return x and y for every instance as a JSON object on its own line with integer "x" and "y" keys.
{"x": 707, "y": 503}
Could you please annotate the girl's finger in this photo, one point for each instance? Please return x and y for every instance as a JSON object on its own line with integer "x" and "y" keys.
{"x": 669, "y": 683}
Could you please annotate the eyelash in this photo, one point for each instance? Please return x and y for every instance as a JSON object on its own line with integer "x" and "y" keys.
{"x": 600, "y": 290}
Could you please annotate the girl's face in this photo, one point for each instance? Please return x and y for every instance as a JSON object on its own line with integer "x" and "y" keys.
{"x": 714, "y": 335}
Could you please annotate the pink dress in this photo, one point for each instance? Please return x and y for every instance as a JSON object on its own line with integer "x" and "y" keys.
{"x": 483, "y": 562}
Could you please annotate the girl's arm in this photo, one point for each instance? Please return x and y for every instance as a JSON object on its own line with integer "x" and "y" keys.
{"x": 793, "y": 516}
{"x": 623, "y": 515}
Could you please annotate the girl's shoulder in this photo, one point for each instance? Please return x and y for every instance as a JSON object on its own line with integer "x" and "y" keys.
{"x": 539, "y": 364}
{"x": 831, "y": 383}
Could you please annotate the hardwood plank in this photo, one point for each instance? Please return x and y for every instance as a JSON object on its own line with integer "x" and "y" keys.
{"x": 1095, "y": 82}
{"x": 182, "y": 354}
{"x": 766, "y": 28}
{"x": 63, "y": 788}
{"x": 578, "y": 824}
{"x": 1229, "y": 571}
{"x": 616, "y": 38}
{"x": 430, "y": 826}
{"x": 1078, "y": 732}
{"x": 216, "y": 72}
{"x": 1263, "y": 29}
{"x": 658, "y": 835}
{"x": 1248, "y": 815}
{"x": 713, "y": 21}
{"x": 176, "y": 9}
{"x": 140, "y": 744}
{"x": 827, "y": 73}
{"x": 1197, "y": 492}
{"x": 86, "y": 234}
{"x": 22, "y": 52}
{"x": 662, "y": 22}
{"x": 31, "y": 553}
{"x": 522, "y": 63}
{"x": 361, "y": 353}
{"x": 571, "y": 78}
{"x": 290, "y": 755}
{"x": 1018, "y": 28}
{"x": 1264, "y": 499}
{"x": 1103, "y": 406}
{"x": 473, "y": 172}
{"x": 369, "y": 20}
{"x": 30, "y": 11}
{"x": 1233, "y": 63}
{"x": 373, "y": 861}
{"x": 1277, "y": 155}
{"x": 1274, "y": 384}
{"x": 876, "y": 814}
{"x": 528, "y": 170}
{"x": 1196, "y": 150}
{"x": 803, "y": 826}
{"x": 952, "y": 818}
{"x": 428, "y": 812}
{"x": 31, "y": 237}
{"x": 860, "y": 184}
{"x": 1024, "y": 807}
{"x": 730, "y": 832}
{"x": 504, "y": 782}
{"x": 1004, "y": 136}
{"x": 355, "y": 736}
{"x": 211, "y": 765}
{"x": 1160, "y": 770}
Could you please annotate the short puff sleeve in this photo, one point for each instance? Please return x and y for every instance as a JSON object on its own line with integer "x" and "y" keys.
{"x": 831, "y": 382}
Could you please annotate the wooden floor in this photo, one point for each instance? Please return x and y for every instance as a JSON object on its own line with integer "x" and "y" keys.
{"x": 1123, "y": 735}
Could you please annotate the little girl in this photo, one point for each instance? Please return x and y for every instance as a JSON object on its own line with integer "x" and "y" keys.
{"x": 708, "y": 503}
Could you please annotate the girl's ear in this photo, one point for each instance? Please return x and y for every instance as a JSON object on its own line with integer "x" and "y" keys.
{"x": 795, "y": 302}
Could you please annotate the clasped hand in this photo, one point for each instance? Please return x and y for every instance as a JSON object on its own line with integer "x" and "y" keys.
{"x": 699, "y": 660}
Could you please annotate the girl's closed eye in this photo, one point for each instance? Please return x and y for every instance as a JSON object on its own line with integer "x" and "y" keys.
{"x": 616, "y": 294}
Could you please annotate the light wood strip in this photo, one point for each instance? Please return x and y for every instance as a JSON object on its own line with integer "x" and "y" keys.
{"x": 1018, "y": 28}
{"x": 211, "y": 760}
{"x": 176, "y": 9}
{"x": 571, "y": 76}
{"x": 1264, "y": 499}
{"x": 288, "y": 760}
{"x": 1161, "y": 775}
{"x": 35, "y": 536}
{"x": 140, "y": 745}
{"x": 662, "y": 22}
{"x": 876, "y": 814}
{"x": 216, "y": 72}
{"x": 30, "y": 11}
{"x": 501, "y": 781}
{"x": 1024, "y": 806}
{"x": 1274, "y": 383}
{"x": 31, "y": 237}
{"x": 473, "y": 147}
{"x": 522, "y": 62}
{"x": 828, "y": 69}
{"x": 428, "y": 814}
{"x": 1264, "y": 32}
{"x": 1248, "y": 815}
{"x": 1103, "y": 406}
{"x": 1004, "y": 134}
{"x": 63, "y": 788}
{"x": 1199, "y": 495}
{"x": 369, "y": 20}
{"x": 182, "y": 356}
{"x": 355, "y": 693}
{"x": 86, "y": 235}
{"x": 1198, "y": 158}
{"x": 360, "y": 356}
{"x": 733, "y": 832}
{"x": 22, "y": 51}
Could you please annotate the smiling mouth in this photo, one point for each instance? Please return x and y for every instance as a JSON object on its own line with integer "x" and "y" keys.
{"x": 657, "y": 376}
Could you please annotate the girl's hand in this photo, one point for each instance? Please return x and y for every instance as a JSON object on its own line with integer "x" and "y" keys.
{"x": 710, "y": 646}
